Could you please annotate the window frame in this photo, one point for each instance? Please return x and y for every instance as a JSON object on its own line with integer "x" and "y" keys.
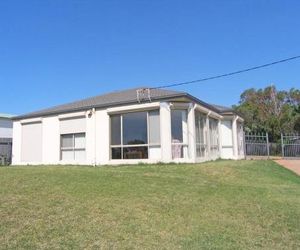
{"x": 122, "y": 146}
{"x": 72, "y": 149}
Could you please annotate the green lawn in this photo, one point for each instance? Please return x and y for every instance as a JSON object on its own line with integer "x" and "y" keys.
{"x": 215, "y": 205}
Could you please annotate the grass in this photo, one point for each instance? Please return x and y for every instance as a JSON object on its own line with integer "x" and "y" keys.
{"x": 215, "y": 205}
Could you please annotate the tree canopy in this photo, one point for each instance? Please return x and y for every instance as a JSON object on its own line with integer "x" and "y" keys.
{"x": 270, "y": 110}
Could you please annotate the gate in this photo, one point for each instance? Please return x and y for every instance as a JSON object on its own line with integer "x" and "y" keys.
{"x": 5, "y": 151}
{"x": 290, "y": 145}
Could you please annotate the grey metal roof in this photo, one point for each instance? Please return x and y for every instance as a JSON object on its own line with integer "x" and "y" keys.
{"x": 222, "y": 109}
{"x": 113, "y": 99}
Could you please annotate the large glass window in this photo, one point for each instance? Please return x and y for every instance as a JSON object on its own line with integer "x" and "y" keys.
{"x": 200, "y": 125}
{"x": 179, "y": 133}
{"x": 72, "y": 146}
{"x": 134, "y": 134}
{"x": 214, "y": 137}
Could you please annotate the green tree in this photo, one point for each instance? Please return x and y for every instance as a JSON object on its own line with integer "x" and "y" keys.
{"x": 269, "y": 110}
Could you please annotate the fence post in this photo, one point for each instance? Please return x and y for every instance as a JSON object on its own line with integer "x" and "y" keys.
{"x": 244, "y": 145}
{"x": 268, "y": 146}
{"x": 282, "y": 146}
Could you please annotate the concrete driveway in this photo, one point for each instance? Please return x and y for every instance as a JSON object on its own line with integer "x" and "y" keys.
{"x": 293, "y": 165}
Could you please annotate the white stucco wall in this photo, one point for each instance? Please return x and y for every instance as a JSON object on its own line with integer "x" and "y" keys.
{"x": 227, "y": 139}
{"x": 6, "y": 128}
{"x": 165, "y": 135}
{"x": 32, "y": 142}
{"x": 230, "y": 138}
{"x": 97, "y": 130}
{"x": 16, "y": 146}
{"x": 51, "y": 140}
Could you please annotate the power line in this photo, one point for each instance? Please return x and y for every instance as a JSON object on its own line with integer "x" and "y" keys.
{"x": 228, "y": 74}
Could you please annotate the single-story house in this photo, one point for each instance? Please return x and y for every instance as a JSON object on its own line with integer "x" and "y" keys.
{"x": 130, "y": 126}
{"x": 6, "y": 133}
{"x": 6, "y": 126}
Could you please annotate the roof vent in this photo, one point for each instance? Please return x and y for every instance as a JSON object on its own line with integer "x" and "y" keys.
{"x": 143, "y": 95}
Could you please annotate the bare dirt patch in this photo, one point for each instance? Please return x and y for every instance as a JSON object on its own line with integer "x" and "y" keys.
{"x": 293, "y": 165}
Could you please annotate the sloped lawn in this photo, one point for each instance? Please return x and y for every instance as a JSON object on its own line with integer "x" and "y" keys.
{"x": 216, "y": 205}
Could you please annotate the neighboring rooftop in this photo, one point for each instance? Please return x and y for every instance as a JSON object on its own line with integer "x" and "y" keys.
{"x": 8, "y": 116}
{"x": 114, "y": 99}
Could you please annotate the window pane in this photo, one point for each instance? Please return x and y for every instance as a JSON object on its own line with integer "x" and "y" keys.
{"x": 154, "y": 127}
{"x": 135, "y": 128}
{"x": 200, "y": 121}
{"x": 214, "y": 136}
{"x": 116, "y": 153}
{"x": 80, "y": 140}
{"x": 177, "y": 119}
{"x": 79, "y": 155}
{"x": 177, "y": 151}
{"x": 200, "y": 149}
{"x": 135, "y": 153}
{"x": 115, "y": 128}
{"x": 67, "y": 141}
{"x": 67, "y": 154}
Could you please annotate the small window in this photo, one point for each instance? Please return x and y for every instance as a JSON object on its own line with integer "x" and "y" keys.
{"x": 73, "y": 147}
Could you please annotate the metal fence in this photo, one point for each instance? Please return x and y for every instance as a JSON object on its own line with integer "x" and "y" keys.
{"x": 258, "y": 144}
{"x": 5, "y": 151}
{"x": 290, "y": 145}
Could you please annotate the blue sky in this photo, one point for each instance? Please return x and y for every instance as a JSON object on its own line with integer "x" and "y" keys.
{"x": 53, "y": 51}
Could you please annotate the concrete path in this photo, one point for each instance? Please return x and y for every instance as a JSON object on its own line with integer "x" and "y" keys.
{"x": 293, "y": 165}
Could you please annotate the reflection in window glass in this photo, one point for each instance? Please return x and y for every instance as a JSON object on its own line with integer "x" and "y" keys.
{"x": 116, "y": 153}
{"x": 135, "y": 128}
{"x": 135, "y": 152}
